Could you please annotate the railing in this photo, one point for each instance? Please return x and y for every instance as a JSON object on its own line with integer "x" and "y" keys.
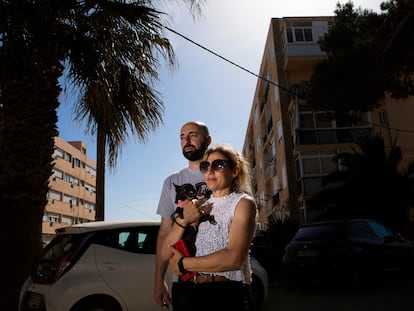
{"x": 330, "y": 136}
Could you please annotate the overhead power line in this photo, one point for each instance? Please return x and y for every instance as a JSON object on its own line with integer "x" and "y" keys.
{"x": 227, "y": 60}
{"x": 264, "y": 78}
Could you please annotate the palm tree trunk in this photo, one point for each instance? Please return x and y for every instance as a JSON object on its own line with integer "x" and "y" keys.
{"x": 28, "y": 103}
{"x": 100, "y": 174}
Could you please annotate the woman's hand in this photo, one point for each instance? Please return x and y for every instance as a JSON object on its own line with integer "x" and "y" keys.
{"x": 173, "y": 262}
{"x": 192, "y": 210}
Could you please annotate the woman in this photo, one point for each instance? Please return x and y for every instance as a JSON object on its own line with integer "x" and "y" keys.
{"x": 222, "y": 243}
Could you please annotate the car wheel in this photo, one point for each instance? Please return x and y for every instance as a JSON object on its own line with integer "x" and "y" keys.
{"x": 257, "y": 292}
{"x": 97, "y": 303}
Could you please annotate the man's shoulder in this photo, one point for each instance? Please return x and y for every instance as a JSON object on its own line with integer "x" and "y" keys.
{"x": 185, "y": 175}
{"x": 178, "y": 174}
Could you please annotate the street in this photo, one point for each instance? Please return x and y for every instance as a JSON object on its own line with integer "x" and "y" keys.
{"x": 393, "y": 293}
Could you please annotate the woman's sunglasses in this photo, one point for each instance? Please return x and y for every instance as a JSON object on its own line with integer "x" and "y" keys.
{"x": 216, "y": 165}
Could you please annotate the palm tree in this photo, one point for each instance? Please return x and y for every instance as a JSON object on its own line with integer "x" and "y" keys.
{"x": 110, "y": 50}
{"x": 370, "y": 184}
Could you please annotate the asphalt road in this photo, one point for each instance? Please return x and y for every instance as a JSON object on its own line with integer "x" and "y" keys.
{"x": 391, "y": 293}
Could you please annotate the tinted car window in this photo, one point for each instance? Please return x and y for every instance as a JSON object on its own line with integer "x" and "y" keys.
{"x": 60, "y": 247}
{"x": 360, "y": 229}
{"x": 137, "y": 240}
{"x": 58, "y": 256}
{"x": 318, "y": 232}
{"x": 379, "y": 230}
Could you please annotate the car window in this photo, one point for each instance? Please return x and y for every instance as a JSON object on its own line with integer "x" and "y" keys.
{"x": 379, "y": 230}
{"x": 60, "y": 247}
{"x": 318, "y": 232}
{"x": 360, "y": 230}
{"x": 136, "y": 239}
{"x": 58, "y": 256}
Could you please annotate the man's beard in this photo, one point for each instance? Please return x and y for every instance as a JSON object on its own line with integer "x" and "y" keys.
{"x": 196, "y": 154}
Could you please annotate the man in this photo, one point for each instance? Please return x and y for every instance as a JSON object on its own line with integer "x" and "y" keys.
{"x": 195, "y": 139}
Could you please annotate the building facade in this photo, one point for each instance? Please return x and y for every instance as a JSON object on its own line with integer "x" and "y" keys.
{"x": 72, "y": 193}
{"x": 289, "y": 145}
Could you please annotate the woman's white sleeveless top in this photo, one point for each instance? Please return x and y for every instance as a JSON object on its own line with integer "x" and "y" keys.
{"x": 213, "y": 237}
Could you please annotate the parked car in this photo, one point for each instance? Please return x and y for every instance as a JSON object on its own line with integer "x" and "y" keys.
{"x": 262, "y": 250}
{"x": 106, "y": 266}
{"x": 355, "y": 249}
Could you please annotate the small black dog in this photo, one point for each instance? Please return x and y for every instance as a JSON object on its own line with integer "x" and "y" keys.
{"x": 190, "y": 192}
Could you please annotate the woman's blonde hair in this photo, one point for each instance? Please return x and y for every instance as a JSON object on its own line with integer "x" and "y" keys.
{"x": 242, "y": 182}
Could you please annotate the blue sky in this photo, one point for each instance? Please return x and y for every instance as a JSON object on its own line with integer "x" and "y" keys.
{"x": 203, "y": 87}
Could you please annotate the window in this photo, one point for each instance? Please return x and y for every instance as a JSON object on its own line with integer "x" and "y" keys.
{"x": 323, "y": 120}
{"x": 90, "y": 188}
{"x": 57, "y": 174}
{"x": 54, "y": 195}
{"x": 379, "y": 230}
{"x": 77, "y": 162}
{"x": 284, "y": 177}
{"x": 90, "y": 170}
{"x": 89, "y": 206}
{"x": 276, "y": 95}
{"x": 72, "y": 180}
{"x": 279, "y": 130}
{"x": 66, "y": 220}
{"x": 359, "y": 229}
{"x": 311, "y": 166}
{"x": 58, "y": 153}
{"x": 316, "y": 163}
{"x": 299, "y": 32}
{"x": 53, "y": 218}
{"x": 71, "y": 200}
{"x": 276, "y": 187}
{"x": 68, "y": 157}
{"x": 141, "y": 240}
{"x": 273, "y": 149}
{"x": 306, "y": 120}
{"x": 383, "y": 117}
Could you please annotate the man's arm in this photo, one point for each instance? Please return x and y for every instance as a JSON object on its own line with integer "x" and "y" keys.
{"x": 161, "y": 294}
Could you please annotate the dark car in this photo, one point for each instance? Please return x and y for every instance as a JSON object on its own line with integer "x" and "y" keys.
{"x": 263, "y": 252}
{"x": 354, "y": 249}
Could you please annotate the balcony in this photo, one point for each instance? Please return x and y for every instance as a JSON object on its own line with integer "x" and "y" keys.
{"x": 308, "y": 186}
{"x": 330, "y": 136}
{"x": 302, "y": 56}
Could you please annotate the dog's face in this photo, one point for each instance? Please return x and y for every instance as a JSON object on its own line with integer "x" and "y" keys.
{"x": 184, "y": 192}
{"x": 189, "y": 191}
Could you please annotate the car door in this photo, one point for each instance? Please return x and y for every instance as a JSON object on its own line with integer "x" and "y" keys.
{"x": 128, "y": 266}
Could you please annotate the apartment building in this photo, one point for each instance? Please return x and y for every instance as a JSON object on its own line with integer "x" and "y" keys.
{"x": 71, "y": 198}
{"x": 289, "y": 145}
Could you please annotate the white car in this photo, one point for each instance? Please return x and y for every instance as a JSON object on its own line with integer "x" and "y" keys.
{"x": 105, "y": 266}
